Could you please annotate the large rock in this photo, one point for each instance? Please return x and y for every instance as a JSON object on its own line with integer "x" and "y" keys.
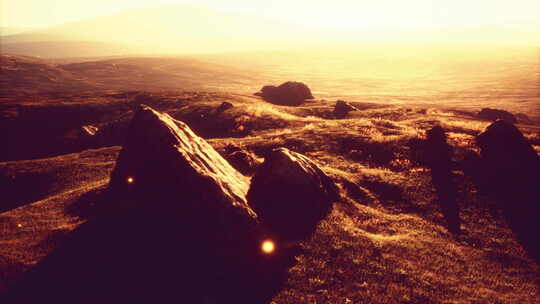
{"x": 291, "y": 194}
{"x": 494, "y": 114}
{"x": 169, "y": 171}
{"x": 179, "y": 183}
{"x": 507, "y": 152}
{"x": 509, "y": 170}
{"x": 342, "y": 108}
{"x": 290, "y": 93}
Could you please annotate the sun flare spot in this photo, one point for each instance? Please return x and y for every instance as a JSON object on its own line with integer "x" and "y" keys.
{"x": 130, "y": 180}
{"x": 268, "y": 247}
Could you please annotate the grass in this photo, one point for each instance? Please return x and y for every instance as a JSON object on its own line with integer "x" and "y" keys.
{"x": 384, "y": 241}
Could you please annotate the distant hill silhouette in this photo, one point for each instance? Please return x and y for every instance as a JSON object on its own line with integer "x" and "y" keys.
{"x": 163, "y": 29}
{"x": 24, "y": 74}
{"x": 30, "y": 74}
{"x": 63, "y": 49}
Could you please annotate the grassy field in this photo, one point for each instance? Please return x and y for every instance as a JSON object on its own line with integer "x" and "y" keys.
{"x": 385, "y": 241}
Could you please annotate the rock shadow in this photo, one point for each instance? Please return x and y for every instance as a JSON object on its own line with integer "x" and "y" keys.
{"x": 130, "y": 256}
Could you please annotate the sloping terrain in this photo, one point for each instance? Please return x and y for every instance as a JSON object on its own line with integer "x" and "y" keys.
{"x": 385, "y": 241}
{"x": 21, "y": 74}
{"x": 168, "y": 29}
{"x": 52, "y": 48}
{"x": 30, "y": 75}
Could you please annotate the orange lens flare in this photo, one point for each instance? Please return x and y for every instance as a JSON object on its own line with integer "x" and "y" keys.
{"x": 130, "y": 180}
{"x": 268, "y": 247}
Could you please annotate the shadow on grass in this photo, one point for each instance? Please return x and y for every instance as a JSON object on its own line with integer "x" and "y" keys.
{"x": 130, "y": 256}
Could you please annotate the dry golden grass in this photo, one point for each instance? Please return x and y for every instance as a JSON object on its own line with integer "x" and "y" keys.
{"x": 384, "y": 242}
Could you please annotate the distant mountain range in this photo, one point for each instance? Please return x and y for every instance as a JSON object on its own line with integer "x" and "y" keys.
{"x": 165, "y": 29}
{"x": 178, "y": 29}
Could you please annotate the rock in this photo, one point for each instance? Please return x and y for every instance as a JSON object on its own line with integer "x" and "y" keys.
{"x": 82, "y": 133}
{"x": 290, "y": 93}
{"x": 243, "y": 161}
{"x": 494, "y": 114}
{"x": 78, "y": 139}
{"x": 291, "y": 194}
{"x": 510, "y": 172}
{"x": 171, "y": 173}
{"x": 342, "y": 108}
{"x": 505, "y": 148}
{"x": 224, "y": 107}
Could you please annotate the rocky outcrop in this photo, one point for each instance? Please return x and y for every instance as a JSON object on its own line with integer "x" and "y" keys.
{"x": 494, "y": 114}
{"x": 509, "y": 171}
{"x": 291, "y": 194}
{"x": 342, "y": 108}
{"x": 290, "y": 93}
{"x": 169, "y": 171}
{"x": 507, "y": 151}
{"x": 169, "y": 174}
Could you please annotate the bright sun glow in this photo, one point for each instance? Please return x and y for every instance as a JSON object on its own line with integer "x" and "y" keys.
{"x": 342, "y": 14}
{"x": 130, "y": 180}
{"x": 268, "y": 247}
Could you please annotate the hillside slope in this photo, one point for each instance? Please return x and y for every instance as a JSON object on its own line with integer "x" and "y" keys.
{"x": 177, "y": 29}
{"x": 23, "y": 74}
{"x": 384, "y": 241}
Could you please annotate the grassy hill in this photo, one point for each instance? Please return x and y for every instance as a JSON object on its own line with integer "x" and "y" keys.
{"x": 64, "y": 49}
{"x": 169, "y": 29}
{"x": 384, "y": 241}
{"x": 24, "y": 74}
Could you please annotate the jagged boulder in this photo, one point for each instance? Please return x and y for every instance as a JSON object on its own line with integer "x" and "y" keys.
{"x": 291, "y": 194}
{"x": 168, "y": 171}
{"x": 509, "y": 170}
{"x": 342, "y": 108}
{"x": 494, "y": 114}
{"x": 290, "y": 93}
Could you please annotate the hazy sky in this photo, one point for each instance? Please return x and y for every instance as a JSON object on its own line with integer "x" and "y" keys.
{"x": 340, "y": 14}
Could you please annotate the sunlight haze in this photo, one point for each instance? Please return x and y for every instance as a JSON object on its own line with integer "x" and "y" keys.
{"x": 342, "y": 14}
{"x": 210, "y": 26}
